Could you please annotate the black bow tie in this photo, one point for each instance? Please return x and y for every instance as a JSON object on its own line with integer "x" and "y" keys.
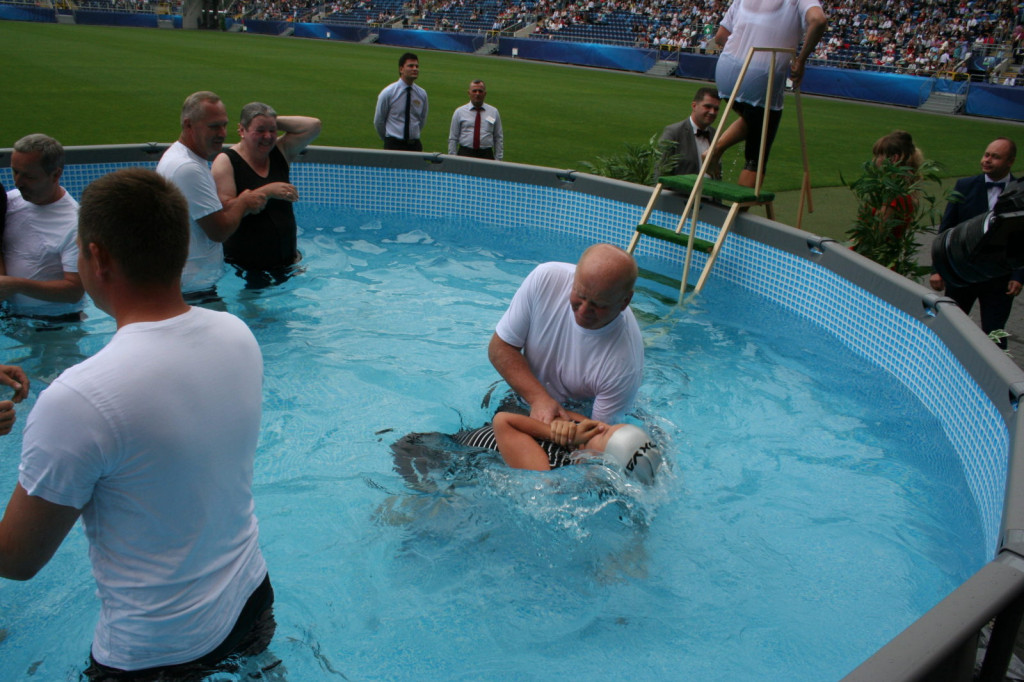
{"x": 1000, "y": 185}
{"x": 705, "y": 133}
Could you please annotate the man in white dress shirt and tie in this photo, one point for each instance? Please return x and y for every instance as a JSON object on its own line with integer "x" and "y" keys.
{"x": 402, "y": 108}
{"x": 476, "y": 127}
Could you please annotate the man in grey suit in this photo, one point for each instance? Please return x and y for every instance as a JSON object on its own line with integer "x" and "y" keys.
{"x": 691, "y": 138}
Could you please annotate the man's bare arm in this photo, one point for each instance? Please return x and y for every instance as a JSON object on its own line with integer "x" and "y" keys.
{"x": 816, "y": 24}
{"x": 30, "y": 533}
{"x": 66, "y": 290}
{"x": 221, "y": 224}
{"x": 515, "y": 370}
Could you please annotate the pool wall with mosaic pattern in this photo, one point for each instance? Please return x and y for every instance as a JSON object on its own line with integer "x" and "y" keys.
{"x": 921, "y": 338}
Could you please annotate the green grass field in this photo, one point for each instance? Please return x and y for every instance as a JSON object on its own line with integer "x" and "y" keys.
{"x": 104, "y": 85}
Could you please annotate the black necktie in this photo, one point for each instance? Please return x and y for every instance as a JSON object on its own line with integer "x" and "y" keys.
{"x": 1000, "y": 185}
{"x": 408, "y": 108}
{"x": 703, "y": 132}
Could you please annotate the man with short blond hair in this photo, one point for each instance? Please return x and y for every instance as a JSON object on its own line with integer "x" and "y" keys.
{"x": 151, "y": 443}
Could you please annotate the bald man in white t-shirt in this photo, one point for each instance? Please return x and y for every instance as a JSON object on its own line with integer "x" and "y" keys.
{"x": 569, "y": 335}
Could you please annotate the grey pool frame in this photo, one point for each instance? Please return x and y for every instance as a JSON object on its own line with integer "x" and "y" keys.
{"x": 941, "y": 644}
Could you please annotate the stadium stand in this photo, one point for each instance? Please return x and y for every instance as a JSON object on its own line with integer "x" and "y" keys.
{"x": 956, "y": 39}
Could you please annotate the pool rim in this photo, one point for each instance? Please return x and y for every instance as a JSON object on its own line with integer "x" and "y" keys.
{"x": 943, "y": 638}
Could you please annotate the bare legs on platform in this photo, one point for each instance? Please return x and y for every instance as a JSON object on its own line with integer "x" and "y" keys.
{"x": 734, "y": 134}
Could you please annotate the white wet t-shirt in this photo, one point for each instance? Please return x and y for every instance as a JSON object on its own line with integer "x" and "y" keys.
{"x": 572, "y": 363}
{"x": 153, "y": 439}
{"x": 191, "y": 173}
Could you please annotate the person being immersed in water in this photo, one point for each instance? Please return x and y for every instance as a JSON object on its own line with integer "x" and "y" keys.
{"x": 527, "y": 443}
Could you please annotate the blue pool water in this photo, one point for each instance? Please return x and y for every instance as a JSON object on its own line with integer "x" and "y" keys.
{"x": 804, "y": 520}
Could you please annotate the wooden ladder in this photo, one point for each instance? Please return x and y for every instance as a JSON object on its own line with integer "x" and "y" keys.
{"x": 699, "y": 186}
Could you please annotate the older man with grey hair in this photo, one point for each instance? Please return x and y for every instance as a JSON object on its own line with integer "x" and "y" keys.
{"x": 204, "y": 121}
{"x": 40, "y": 255}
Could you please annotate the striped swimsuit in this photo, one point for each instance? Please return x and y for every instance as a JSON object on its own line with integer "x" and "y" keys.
{"x": 483, "y": 437}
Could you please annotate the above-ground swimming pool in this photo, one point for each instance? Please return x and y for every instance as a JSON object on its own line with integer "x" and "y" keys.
{"x": 816, "y": 475}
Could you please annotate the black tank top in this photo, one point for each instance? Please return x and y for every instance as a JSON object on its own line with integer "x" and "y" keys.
{"x": 266, "y": 240}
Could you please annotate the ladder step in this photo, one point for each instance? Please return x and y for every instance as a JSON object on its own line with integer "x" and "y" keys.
{"x": 658, "y": 278}
{"x": 716, "y": 189}
{"x": 668, "y": 235}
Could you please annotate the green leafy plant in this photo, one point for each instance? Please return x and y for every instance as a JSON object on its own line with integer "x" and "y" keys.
{"x": 997, "y": 335}
{"x": 636, "y": 164}
{"x": 895, "y": 205}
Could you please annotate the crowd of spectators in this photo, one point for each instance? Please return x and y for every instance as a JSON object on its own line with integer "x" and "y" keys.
{"x": 276, "y": 10}
{"x": 440, "y": 15}
{"x": 926, "y": 38}
{"x": 920, "y": 38}
{"x": 688, "y": 27}
{"x": 514, "y": 14}
{"x": 358, "y": 11}
{"x": 123, "y": 5}
{"x": 917, "y": 38}
{"x": 666, "y": 24}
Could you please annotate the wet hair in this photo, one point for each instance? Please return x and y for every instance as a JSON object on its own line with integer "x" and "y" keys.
{"x": 254, "y": 109}
{"x": 705, "y": 92}
{"x": 52, "y": 151}
{"x": 408, "y": 56}
{"x": 141, "y": 219}
{"x": 898, "y": 147}
{"x": 192, "y": 109}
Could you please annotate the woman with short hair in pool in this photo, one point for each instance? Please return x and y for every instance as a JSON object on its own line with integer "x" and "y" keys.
{"x": 527, "y": 443}
{"x": 264, "y": 247}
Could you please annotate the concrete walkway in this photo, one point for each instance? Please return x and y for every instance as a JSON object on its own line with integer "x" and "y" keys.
{"x": 1014, "y": 326}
